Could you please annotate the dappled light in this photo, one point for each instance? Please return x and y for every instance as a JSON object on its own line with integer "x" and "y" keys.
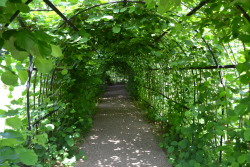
{"x": 120, "y": 136}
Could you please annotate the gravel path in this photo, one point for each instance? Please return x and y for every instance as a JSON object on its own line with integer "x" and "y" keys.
{"x": 120, "y": 137}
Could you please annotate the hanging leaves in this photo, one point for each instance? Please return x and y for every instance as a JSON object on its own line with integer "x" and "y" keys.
{"x": 26, "y": 156}
{"x": 23, "y": 8}
{"x": 44, "y": 49}
{"x": 23, "y": 76}
{"x": 41, "y": 139}
{"x": 19, "y": 55}
{"x": 9, "y": 78}
{"x": 14, "y": 122}
{"x": 43, "y": 65}
{"x": 25, "y": 40}
{"x": 56, "y": 51}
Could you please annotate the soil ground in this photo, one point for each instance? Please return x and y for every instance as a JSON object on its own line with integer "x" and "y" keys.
{"x": 120, "y": 136}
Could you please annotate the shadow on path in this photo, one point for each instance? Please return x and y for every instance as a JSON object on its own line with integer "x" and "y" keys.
{"x": 120, "y": 137}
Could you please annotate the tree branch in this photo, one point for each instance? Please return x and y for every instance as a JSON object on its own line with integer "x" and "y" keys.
{"x": 244, "y": 13}
{"x": 60, "y": 14}
{"x": 200, "y": 5}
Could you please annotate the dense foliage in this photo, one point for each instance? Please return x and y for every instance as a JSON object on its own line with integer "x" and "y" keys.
{"x": 189, "y": 61}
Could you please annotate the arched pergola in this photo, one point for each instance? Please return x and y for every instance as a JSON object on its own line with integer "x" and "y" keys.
{"x": 187, "y": 62}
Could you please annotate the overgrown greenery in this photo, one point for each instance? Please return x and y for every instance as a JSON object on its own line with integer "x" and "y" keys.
{"x": 171, "y": 51}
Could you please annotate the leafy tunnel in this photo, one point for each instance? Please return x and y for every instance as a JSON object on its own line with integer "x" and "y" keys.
{"x": 185, "y": 61}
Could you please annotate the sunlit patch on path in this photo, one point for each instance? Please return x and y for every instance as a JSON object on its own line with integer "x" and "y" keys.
{"x": 120, "y": 137}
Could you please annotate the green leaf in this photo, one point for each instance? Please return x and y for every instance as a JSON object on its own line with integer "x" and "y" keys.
{"x": 44, "y": 48}
{"x": 174, "y": 143}
{"x": 116, "y": 29}
{"x": 80, "y": 155}
{"x": 2, "y": 113}
{"x": 26, "y": 156}
{"x": 235, "y": 164}
{"x": 183, "y": 144}
{"x": 245, "y": 78}
{"x": 151, "y": 5}
{"x": 76, "y": 135}
{"x": 9, "y": 133}
{"x": 41, "y": 139}
{"x": 19, "y": 55}
{"x": 85, "y": 36}
{"x": 49, "y": 127}
{"x": 7, "y": 153}
{"x": 170, "y": 149}
{"x": 73, "y": 111}
{"x": 9, "y": 78}
{"x": 241, "y": 67}
{"x": 10, "y": 142}
{"x": 242, "y": 158}
{"x": 43, "y": 65}
{"x": 23, "y": 75}
{"x": 14, "y": 122}
{"x": 10, "y": 44}
{"x": 244, "y": 38}
{"x": 84, "y": 39}
{"x": 23, "y": 8}
{"x": 9, "y": 33}
{"x": 11, "y": 113}
{"x": 163, "y": 6}
{"x": 123, "y": 9}
{"x": 25, "y": 40}
{"x": 247, "y": 134}
{"x": 56, "y": 51}
{"x": 42, "y": 36}
{"x": 116, "y": 10}
{"x": 64, "y": 72}
{"x": 69, "y": 141}
{"x": 131, "y": 9}
{"x": 73, "y": 1}
{"x": 3, "y": 3}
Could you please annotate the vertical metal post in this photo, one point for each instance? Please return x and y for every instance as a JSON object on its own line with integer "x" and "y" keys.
{"x": 28, "y": 93}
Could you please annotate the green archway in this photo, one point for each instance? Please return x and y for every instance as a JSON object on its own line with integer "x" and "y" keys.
{"x": 187, "y": 60}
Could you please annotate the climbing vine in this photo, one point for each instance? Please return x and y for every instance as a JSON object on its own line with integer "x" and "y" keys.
{"x": 187, "y": 61}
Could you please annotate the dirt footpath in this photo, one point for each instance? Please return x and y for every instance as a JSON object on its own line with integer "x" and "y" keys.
{"x": 120, "y": 137}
